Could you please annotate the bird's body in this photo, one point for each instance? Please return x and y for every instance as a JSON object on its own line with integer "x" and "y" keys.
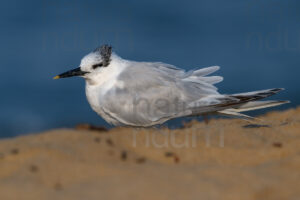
{"x": 129, "y": 93}
{"x": 144, "y": 94}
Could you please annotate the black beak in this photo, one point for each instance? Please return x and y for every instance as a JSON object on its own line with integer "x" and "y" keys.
{"x": 73, "y": 72}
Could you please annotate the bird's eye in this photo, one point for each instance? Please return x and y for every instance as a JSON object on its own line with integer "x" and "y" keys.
{"x": 97, "y": 65}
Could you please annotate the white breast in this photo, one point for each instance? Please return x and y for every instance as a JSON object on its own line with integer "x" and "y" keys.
{"x": 101, "y": 83}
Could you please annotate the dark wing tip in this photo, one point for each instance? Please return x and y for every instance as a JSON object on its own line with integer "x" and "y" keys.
{"x": 276, "y": 90}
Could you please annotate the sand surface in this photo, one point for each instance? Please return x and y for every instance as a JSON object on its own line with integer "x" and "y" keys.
{"x": 226, "y": 159}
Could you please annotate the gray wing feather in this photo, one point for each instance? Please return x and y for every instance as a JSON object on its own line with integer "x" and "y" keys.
{"x": 206, "y": 71}
{"x": 156, "y": 92}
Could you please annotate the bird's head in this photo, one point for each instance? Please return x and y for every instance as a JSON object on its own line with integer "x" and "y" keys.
{"x": 91, "y": 64}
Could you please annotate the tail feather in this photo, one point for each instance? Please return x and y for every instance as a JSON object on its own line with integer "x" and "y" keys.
{"x": 233, "y": 105}
{"x": 229, "y": 113}
{"x": 255, "y": 105}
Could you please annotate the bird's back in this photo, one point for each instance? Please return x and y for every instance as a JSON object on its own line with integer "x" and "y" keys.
{"x": 151, "y": 93}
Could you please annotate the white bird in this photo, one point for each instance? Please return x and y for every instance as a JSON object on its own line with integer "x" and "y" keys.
{"x": 144, "y": 94}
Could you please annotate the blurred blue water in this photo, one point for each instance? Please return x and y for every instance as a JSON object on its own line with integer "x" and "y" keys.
{"x": 257, "y": 44}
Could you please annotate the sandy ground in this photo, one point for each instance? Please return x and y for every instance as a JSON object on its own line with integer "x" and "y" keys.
{"x": 226, "y": 159}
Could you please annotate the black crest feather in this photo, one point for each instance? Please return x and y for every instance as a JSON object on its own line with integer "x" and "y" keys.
{"x": 105, "y": 52}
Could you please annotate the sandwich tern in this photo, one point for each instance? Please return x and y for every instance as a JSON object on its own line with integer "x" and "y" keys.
{"x": 144, "y": 94}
